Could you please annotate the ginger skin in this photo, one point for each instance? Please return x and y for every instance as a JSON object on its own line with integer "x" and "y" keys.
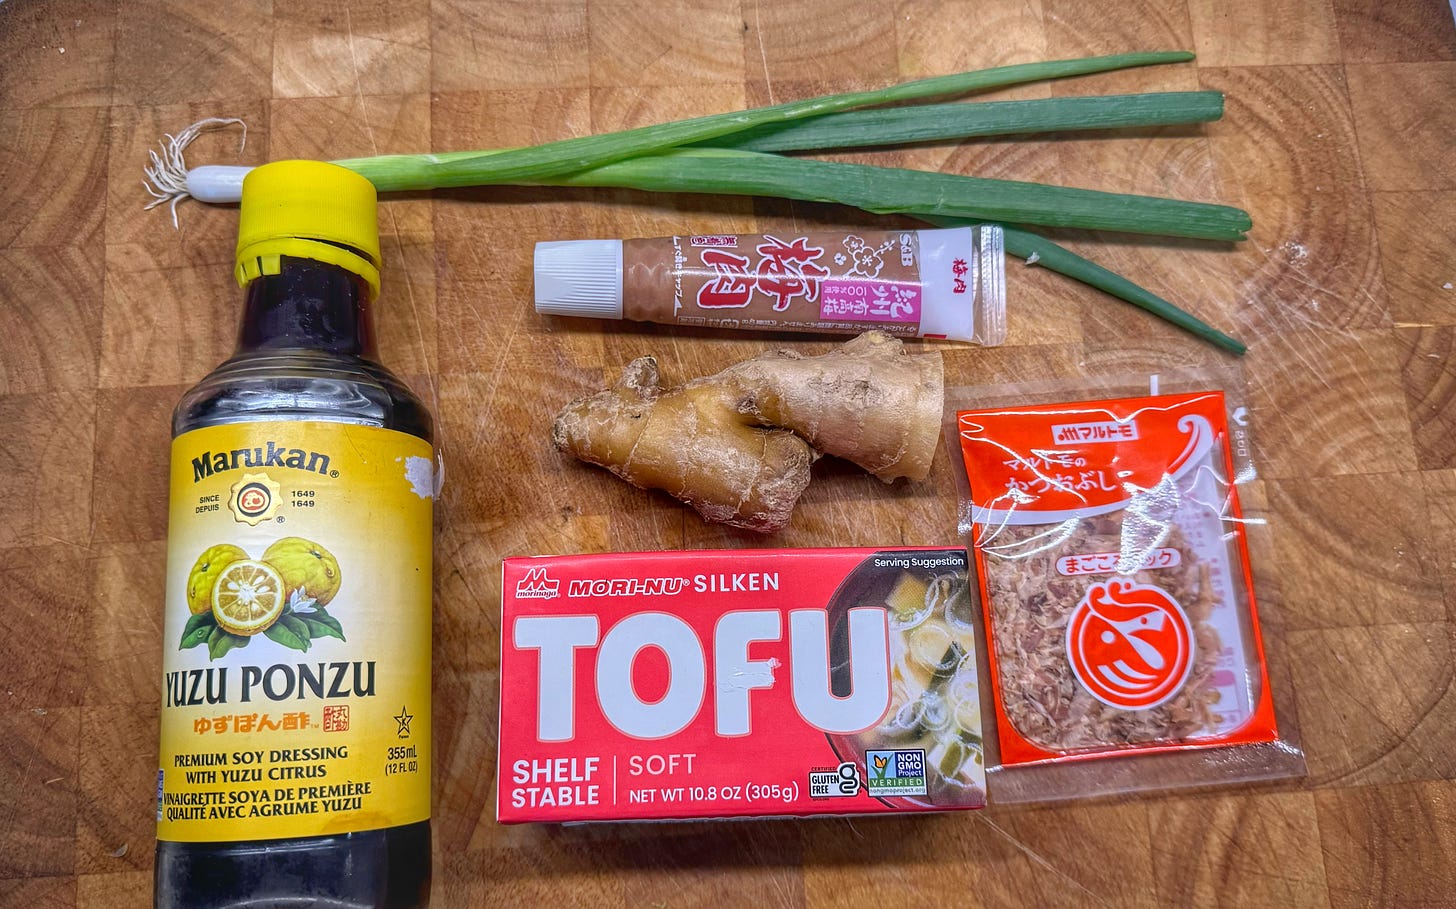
{"x": 738, "y": 445}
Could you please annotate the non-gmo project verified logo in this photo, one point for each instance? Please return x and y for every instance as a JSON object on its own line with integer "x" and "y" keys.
{"x": 537, "y": 586}
{"x": 899, "y": 772}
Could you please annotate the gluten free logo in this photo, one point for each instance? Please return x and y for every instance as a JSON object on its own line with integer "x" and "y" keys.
{"x": 841, "y": 782}
{"x": 254, "y": 498}
{"x": 1130, "y": 645}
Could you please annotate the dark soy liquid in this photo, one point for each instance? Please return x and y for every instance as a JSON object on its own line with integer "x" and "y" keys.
{"x": 305, "y": 352}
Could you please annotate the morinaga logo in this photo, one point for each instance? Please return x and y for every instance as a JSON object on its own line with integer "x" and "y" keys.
{"x": 274, "y": 455}
{"x": 537, "y": 586}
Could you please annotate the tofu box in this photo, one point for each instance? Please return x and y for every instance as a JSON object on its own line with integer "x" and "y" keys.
{"x": 735, "y": 684}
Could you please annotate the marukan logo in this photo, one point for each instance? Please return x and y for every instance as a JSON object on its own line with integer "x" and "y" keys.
{"x": 255, "y": 498}
{"x": 1130, "y": 645}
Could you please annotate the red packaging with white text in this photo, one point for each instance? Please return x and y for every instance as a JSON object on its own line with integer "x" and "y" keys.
{"x": 728, "y": 684}
{"x": 1110, "y": 546}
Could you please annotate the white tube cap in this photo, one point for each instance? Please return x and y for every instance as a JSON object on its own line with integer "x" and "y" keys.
{"x": 579, "y": 278}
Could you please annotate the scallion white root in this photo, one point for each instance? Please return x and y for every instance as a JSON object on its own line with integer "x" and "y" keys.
{"x": 168, "y": 180}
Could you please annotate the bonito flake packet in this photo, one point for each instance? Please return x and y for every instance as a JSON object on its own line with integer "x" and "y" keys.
{"x": 1114, "y": 576}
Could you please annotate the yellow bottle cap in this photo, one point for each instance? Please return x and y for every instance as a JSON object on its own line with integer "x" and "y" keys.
{"x": 308, "y": 210}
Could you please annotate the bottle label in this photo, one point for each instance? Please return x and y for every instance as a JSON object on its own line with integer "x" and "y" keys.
{"x": 296, "y": 667}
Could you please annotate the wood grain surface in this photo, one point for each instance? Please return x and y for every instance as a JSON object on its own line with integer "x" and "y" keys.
{"x": 1338, "y": 138}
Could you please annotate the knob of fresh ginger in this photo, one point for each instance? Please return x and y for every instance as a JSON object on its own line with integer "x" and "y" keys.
{"x": 738, "y": 445}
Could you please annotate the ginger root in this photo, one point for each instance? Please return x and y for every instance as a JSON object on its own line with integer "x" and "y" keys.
{"x": 738, "y": 445}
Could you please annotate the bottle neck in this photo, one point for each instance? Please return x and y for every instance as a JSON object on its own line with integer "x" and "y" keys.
{"x": 309, "y": 305}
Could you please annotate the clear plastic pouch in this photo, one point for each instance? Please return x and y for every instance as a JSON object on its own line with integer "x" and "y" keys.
{"x": 1123, "y": 644}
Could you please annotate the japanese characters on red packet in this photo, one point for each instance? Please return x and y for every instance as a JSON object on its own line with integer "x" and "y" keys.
{"x": 676, "y": 685}
{"x": 1114, "y": 577}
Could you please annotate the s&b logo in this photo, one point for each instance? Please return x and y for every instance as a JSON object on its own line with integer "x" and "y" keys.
{"x": 254, "y": 498}
{"x": 1130, "y": 645}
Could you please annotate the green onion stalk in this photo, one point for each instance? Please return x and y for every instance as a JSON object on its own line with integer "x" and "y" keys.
{"x": 540, "y": 162}
{"x": 941, "y": 122}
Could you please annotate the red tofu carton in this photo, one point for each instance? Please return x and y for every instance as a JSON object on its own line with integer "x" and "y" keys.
{"x": 735, "y": 684}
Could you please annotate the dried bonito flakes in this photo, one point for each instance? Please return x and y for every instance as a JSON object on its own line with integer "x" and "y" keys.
{"x": 1114, "y": 578}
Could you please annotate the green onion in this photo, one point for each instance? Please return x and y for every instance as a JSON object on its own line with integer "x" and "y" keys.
{"x": 539, "y": 162}
{"x": 936, "y": 122}
{"x": 1063, "y": 261}
{"x": 728, "y": 159}
{"x": 1038, "y": 250}
{"x": 890, "y": 190}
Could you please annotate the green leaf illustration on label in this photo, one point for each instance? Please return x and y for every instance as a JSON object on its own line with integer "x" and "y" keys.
{"x": 220, "y": 642}
{"x": 290, "y": 632}
{"x": 321, "y": 624}
{"x": 197, "y": 631}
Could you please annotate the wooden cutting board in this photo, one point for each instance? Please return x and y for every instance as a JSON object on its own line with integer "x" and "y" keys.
{"x": 1338, "y": 138}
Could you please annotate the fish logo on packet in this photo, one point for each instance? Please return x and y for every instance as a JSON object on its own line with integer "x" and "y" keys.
{"x": 1130, "y": 645}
